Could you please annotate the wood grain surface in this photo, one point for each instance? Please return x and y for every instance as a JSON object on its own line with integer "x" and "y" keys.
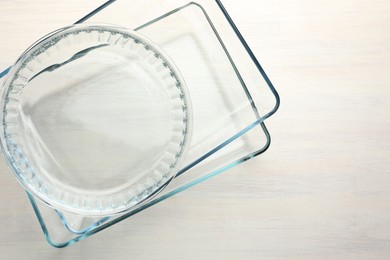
{"x": 322, "y": 191}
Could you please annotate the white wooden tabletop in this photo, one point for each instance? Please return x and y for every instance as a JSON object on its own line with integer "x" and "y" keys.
{"x": 322, "y": 191}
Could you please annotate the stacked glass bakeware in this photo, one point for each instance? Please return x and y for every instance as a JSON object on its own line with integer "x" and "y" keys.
{"x": 134, "y": 103}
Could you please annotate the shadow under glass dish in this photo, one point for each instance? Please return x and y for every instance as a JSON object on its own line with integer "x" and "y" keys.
{"x": 95, "y": 119}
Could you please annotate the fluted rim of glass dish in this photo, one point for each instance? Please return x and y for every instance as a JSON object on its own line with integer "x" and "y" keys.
{"x": 45, "y": 41}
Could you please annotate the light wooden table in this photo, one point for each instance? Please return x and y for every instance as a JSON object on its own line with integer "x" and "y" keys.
{"x": 322, "y": 191}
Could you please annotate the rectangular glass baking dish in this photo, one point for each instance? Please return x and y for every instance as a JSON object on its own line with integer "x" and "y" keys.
{"x": 230, "y": 92}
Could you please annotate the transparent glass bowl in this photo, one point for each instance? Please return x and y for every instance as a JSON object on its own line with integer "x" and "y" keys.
{"x": 95, "y": 120}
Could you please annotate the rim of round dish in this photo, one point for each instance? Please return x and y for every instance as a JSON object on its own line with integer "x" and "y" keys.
{"x": 14, "y": 154}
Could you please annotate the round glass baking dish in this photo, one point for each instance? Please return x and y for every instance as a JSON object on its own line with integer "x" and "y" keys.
{"x": 95, "y": 119}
